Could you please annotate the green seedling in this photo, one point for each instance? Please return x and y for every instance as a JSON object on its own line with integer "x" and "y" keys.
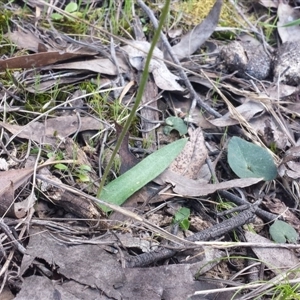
{"x": 175, "y": 123}
{"x": 182, "y": 218}
{"x": 71, "y": 8}
{"x": 281, "y": 232}
{"x": 81, "y": 172}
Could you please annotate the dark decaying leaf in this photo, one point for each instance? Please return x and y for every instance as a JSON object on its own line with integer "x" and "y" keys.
{"x": 37, "y": 60}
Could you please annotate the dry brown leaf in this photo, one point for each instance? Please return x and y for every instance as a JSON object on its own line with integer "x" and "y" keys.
{"x": 184, "y": 171}
{"x": 25, "y": 39}
{"x": 189, "y": 162}
{"x": 51, "y": 129}
{"x": 278, "y": 260}
{"x": 105, "y": 272}
{"x": 45, "y": 85}
{"x": 280, "y": 90}
{"x": 37, "y": 60}
{"x": 9, "y": 181}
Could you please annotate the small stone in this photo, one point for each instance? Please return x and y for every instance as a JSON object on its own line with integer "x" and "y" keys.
{"x": 248, "y": 57}
{"x": 287, "y": 63}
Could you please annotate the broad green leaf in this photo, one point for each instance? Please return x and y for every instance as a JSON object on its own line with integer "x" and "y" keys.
{"x": 281, "y": 232}
{"x": 181, "y": 214}
{"x": 85, "y": 168}
{"x": 248, "y": 160}
{"x": 56, "y": 17}
{"x": 184, "y": 224}
{"x": 83, "y": 177}
{"x": 182, "y": 217}
{"x": 61, "y": 167}
{"x": 175, "y": 123}
{"x": 71, "y": 7}
{"x": 120, "y": 189}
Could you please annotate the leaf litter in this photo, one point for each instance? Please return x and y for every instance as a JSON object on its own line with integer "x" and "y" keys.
{"x": 64, "y": 95}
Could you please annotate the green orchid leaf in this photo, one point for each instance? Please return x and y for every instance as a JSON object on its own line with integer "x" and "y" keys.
{"x": 61, "y": 167}
{"x": 71, "y": 7}
{"x": 175, "y": 123}
{"x": 182, "y": 217}
{"x": 281, "y": 232}
{"x": 248, "y": 160}
{"x": 56, "y": 17}
{"x": 120, "y": 189}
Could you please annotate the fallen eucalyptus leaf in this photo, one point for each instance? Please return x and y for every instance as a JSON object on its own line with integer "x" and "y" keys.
{"x": 120, "y": 189}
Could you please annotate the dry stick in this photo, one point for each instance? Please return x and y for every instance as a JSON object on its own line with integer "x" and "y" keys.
{"x": 204, "y": 235}
{"x": 267, "y": 216}
{"x": 182, "y": 74}
{"x": 10, "y": 236}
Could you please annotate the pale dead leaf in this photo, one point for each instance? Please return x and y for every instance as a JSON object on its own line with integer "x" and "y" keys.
{"x": 46, "y": 85}
{"x": 247, "y": 110}
{"x": 269, "y": 3}
{"x": 163, "y": 78}
{"x": 174, "y": 33}
{"x": 290, "y": 169}
{"x": 193, "y": 40}
{"x": 51, "y": 129}
{"x": 190, "y": 161}
{"x": 194, "y": 188}
{"x": 25, "y": 39}
{"x": 9, "y": 181}
{"x": 280, "y": 90}
{"x": 287, "y": 14}
{"x": 278, "y": 260}
{"x": 3, "y": 164}
{"x": 104, "y": 272}
{"x": 99, "y": 65}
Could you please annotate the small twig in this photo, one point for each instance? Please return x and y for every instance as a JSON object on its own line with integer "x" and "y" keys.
{"x": 267, "y": 216}
{"x": 10, "y": 236}
{"x": 182, "y": 74}
{"x": 204, "y": 235}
